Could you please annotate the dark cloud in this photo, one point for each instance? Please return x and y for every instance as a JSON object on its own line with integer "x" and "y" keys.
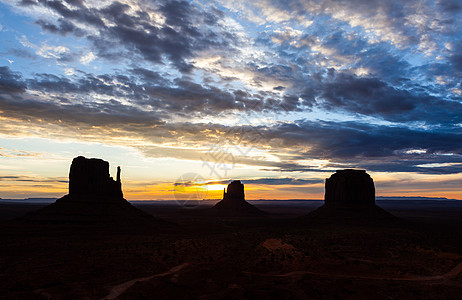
{"x": 62, "y": 27}
{"x": 450, "y": 6}
{"x": 282, "y": 181}
{"x": 374, "y": 97}
{"x": 161, "y": 86}
{"x": 266, "y": 181}
{"x": 386, "y": 16}
{"x": 344, "y": 144}
{"x": 25, "y": 178}
{"x": 11, "y": 82}
{"x": 189, "y": 29}
{"x": 369, "y": 96}
{"x": 148, "y": 89}
{"x": 388, "y": 90}
{"x": 15, "y": 103}
{"x": 81, "y": 14}
{"x": 27, "y": 2}
{"x": 377, "y": 148}
{"x": 182, "y": 35}
{"x": 178, "y": 39}
{"x": 77, "y": 3}
{"x": 146, "y": 75}
{"x": 353, "y": 139}
{"x": 456, "y": 58}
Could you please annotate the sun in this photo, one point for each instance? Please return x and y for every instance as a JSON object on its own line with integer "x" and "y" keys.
{"x": 215, "y": 187}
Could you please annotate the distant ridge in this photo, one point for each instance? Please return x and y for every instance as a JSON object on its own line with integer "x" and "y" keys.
{"x": 214, "y": 201}
{"x": 415, "y": 198}
{"x": 30, "y": 200}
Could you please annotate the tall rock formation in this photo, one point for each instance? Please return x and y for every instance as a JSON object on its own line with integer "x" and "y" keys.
{"x": 349, "y": 187}
{"x": 234, "y": 195}
{"x": 94, "y": 197}
{"x": 234, "y": 203}
{"x": 89, "y": 177}
{"x": 349, "y": 196}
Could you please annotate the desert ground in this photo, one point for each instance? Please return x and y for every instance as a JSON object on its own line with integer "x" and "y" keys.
{"x": 189, "y": 254}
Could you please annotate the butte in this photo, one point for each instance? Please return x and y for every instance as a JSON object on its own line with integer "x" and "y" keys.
{"x": 234, "y": 204}
{"x": 349, "y": 197}
{"x": 94, "y": 197}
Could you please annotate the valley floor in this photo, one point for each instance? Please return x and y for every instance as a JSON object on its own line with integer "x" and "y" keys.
{"x": 191, "y": 256}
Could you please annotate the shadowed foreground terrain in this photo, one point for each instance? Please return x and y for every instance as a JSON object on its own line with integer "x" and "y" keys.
{"x": 205, "y": 257}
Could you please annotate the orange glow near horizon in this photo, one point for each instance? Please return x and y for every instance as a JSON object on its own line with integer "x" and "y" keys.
{"x": 166, "y": 191}
{"x": 391, "y": 185}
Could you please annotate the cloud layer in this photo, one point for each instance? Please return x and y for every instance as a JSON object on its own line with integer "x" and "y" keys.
{"x": 370, "y": 84}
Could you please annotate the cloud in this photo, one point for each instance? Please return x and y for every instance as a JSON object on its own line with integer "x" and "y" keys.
{"x": 450, "y": 6}
{"x": 344, "y": 144}
{"x": 403, "y": 24}
{"x": 376, "y": 147}
{"x": 11, "y": 82}
{"x": 45, "y": 50}
{"x": 62, "y": 27}
{"x": 69, "y": 71}
{"x": 17, "y": 104}
{"x": 87, "y": 58}
{"x": 260, "y": 181}
{"x": 374, "y": 97}
{"x": 152, "y": 94}
{"x": 432, "y": 185}
{"x": 26, "y": 178}
{"x": 123, "y": 30}
{"x": 456, "y": 58}
{"x": 282, "y": 181}
{"x": 18, "y": 153}
{"x": 358, "y": 82}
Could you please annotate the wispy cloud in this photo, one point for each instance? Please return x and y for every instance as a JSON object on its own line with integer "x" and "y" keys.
{"x": 18, "y": 153}
{"x": 33, "y": 179}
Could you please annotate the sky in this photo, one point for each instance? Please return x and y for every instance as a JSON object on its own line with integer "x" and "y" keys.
{"x": 188, "y": 95}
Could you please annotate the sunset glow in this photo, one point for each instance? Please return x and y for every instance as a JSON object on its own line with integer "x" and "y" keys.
{"x": 277, "y": 94}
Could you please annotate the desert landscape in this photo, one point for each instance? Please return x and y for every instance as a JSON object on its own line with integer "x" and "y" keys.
{"x": 247, "y": 149}
{"x": 282, "y": 250}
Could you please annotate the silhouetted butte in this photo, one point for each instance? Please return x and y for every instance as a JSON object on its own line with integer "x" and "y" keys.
{"x": 234, "y": 203}
{"x": 94, "y": 197}
{"x": 89, "y": 177}
{"x": 349, "y": 196}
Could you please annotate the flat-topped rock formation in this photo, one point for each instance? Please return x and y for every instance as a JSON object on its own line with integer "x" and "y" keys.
{"x": 89, "y": 177}
{"x": 349, "y": 187}
{"x": 234, "y": 203}
{"x": 349, "y": 196}
{"x": 94, "y": 197}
